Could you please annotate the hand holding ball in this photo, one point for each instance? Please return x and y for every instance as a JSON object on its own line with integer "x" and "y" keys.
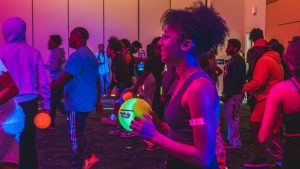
{"x": 42, "y": 120}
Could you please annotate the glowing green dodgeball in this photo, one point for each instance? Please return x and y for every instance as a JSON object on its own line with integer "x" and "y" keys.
{"x": 131, "y": 108}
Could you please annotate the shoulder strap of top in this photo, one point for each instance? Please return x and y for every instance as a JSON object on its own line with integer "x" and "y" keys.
{"x": 295, "y": 84}
{"x": 194, "y": 76}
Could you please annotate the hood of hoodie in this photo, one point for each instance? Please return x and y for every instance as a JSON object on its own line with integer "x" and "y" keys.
{"x": 274, "y": 55}
{"x": 14, "y": 30}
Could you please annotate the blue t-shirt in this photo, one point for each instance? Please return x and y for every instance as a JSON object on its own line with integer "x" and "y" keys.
{"x": 81, "y": 90}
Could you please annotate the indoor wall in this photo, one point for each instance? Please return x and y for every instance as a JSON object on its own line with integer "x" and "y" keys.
{"x": 283, "y": 20}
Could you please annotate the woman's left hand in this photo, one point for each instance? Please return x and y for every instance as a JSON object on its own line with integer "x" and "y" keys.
{"x": 144, "y": 127}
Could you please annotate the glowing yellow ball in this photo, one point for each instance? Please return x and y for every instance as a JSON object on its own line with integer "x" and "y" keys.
{"x": 42, "y": 120}
{"x": 131, "y": 108}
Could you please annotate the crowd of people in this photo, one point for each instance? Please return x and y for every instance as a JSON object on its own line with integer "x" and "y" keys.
{"x": 179, "y": 71}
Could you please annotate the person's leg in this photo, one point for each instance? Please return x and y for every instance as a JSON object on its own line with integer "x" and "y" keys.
{"x": 77, "y": 121}
{"x": 106, "y": 82}
{"x": 220, "y": 150}
{"x": 54, "y": 102}
{"x": 231, "y": 108}
{"x": 60, "y": 104}
{"x": 28, "y": 153}
{"x": 259, "y": 148}
{"x": 235, "y": 138}
{"x": 101, "y": 81}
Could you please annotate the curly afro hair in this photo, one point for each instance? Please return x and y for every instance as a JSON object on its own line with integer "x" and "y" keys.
{"x": 202, "y": 24}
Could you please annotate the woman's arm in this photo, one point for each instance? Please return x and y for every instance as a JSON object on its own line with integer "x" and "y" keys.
{"x": 272, "y": 114}
{"x": 9, "y": 88}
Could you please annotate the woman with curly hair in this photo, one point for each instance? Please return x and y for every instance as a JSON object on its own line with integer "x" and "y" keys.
{"x": 193, "y": 111}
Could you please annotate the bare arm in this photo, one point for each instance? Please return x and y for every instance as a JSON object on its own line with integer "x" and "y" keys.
{"x": 43, "y": 83}
{"x": 272, "y": 114}
{"x": 140, "y": 80}
{"x": 61, "y": 81}
{"x": 219, "y": 70}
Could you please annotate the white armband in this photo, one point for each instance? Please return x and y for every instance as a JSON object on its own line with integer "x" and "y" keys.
{"x": 196, "y": 122}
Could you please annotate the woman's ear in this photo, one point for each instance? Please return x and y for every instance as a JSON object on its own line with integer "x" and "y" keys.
{"x": 187, "y": 45}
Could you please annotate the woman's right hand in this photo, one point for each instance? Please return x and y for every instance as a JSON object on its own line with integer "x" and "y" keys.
{"x": 144, "y": 127}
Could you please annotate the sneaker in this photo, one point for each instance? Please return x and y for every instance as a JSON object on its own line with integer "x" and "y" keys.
{"x": 127, "y": 134}
{"x": 90, "y": 162}
{"x": 108, "y": 121}
{"x": 259, "y": 162}
{"x": 152, "y": 147}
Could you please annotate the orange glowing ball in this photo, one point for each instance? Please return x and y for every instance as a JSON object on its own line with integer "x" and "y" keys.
{"x": 127, "y": 95}
{"x": 42, "y": 120}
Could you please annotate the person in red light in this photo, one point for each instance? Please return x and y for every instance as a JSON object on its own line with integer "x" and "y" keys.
{"x": 11, "y": 121}
{"x": 193, "y": 111}
{"x": 283, "y": 100}
{"x": 267, "y": 73}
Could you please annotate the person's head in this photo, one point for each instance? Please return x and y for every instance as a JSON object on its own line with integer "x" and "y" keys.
{"x": 126, "y": 43}
{"x": 292, "y": 57}
{"x": 156, "y": 46}
{"x": 114, "y": 47}
{"x": 149, "y": 50}
{"x": 14, "y": 30}
{"x": 233, "y": 47}
{"x": 272, "y": 41}
{"x": 54, "y": 41}
{"x": 78, "y": 37}
{"x": 255, "y": 53}
{"x": 101, "y": 47}
{"x": 255, "y": 34}
{"x": 279, "y": 48}
{"x": 191, "y": 32}
{"x": 135, "y": 46}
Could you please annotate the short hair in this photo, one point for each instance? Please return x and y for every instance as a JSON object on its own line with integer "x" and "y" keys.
{"x": 272, "y": 41}
{"x": 236, "y": 43}
{"x": 278, "y": 48}
{"x": 56, "y": 39}
{"x": 126, "y": 42}
{"x": 115, "y": 44}
{"x": 136, "y": 44}
{"x": 84, "y": 33}
{"x": 202, "y": 24}
{"x": 292, "y": 57}
{"x": 255, "y": 34}
{"x": 155, "y": 40}
{"x": 255, "y": 53}
{"x": 101, "y": 44}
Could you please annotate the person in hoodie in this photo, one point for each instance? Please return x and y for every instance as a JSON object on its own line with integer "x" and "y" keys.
{"x": 55, "y": 66}
{"x": 28, "y": 70}
{"x": 267, "y": 73}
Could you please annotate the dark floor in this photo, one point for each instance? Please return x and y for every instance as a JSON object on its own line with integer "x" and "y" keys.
{"x": 122, "y": 153}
